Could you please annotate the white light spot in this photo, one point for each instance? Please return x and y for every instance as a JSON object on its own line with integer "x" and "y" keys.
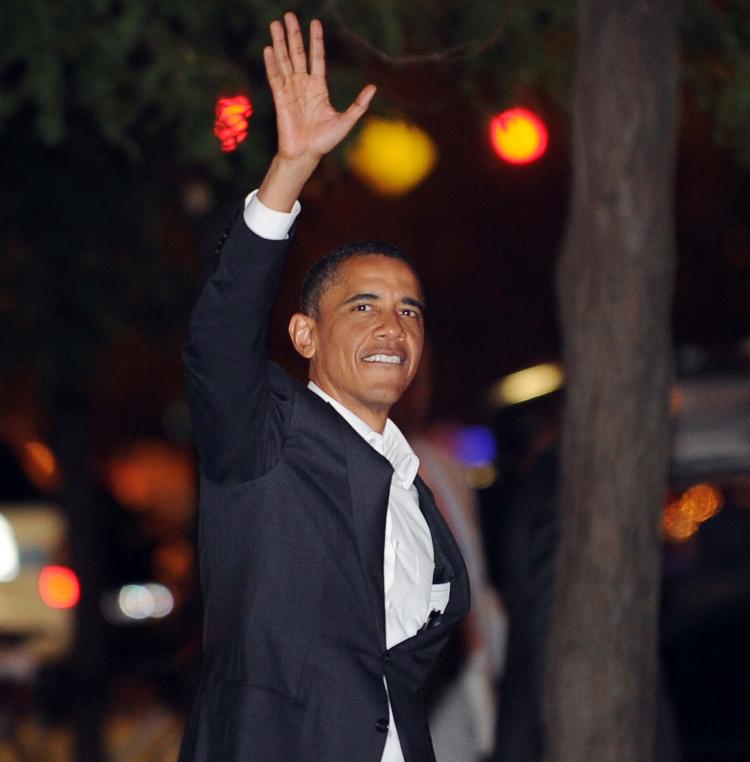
{"x": 9, "y": 561}
{"x": 149, "y": 601}
{"x": 163, "y": 600}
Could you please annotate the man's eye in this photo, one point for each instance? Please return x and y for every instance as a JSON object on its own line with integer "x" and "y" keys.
{"x": 408, "y": 312}
{"x": 363, "y": 307}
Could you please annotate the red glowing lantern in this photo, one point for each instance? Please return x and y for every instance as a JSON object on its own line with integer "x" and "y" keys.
{"x": 232, "y": 115}
{"x": 518, "y": 136}
{"x": 59, "y": 587}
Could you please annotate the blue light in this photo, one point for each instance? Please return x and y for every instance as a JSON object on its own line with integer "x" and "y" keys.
{"x": 475, "y": 446}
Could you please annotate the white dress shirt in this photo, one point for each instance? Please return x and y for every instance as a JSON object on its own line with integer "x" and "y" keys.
{"x": 408, "y": 559}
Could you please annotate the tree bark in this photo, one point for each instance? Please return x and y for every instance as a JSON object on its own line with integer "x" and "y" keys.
{"x": 615, "y": 286}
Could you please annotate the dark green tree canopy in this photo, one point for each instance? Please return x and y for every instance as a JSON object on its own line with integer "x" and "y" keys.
{"x": 104, "y": 103}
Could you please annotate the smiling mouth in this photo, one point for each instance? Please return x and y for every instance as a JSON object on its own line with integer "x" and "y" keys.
{"x": 387, "y": 359}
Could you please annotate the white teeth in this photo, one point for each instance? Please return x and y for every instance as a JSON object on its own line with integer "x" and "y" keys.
{"x": 393, "y": 359}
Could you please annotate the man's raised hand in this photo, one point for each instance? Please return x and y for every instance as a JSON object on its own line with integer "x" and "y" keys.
{"x": 308, "y": 125}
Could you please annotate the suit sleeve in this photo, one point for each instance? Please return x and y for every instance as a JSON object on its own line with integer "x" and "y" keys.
{"x": 226, "y": 358}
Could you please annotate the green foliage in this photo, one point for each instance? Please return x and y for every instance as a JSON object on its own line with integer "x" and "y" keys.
{"x": 104, "y": 103}
{"x": 149, "y": 74}
{"x": 139, "y": 71}
{"x": 717, "y": 68}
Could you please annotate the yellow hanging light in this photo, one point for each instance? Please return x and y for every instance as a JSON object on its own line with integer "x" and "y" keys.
{"x": 392, "y": 156}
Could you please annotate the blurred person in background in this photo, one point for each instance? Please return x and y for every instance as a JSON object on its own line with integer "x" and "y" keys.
{"x": 527, "y": 547}
{"x": 526, "y": 554}
{"x": 330, "y": 579}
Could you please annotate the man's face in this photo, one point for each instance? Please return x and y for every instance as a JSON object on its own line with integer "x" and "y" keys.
{"x": 368, "y": 335}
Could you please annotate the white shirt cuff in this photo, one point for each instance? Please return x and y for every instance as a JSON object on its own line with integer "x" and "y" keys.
{"x": 268, "y": 223}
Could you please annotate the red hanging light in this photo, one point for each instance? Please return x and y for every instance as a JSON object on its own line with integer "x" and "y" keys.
{"x": 232, "y": 115}
{"x": 518, "y": 136}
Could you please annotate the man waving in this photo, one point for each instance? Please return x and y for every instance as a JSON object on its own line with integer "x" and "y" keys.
{"x": 330, "y": 581}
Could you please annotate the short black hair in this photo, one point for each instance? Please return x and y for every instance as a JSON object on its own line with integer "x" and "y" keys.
{"x": 322, "y": 275}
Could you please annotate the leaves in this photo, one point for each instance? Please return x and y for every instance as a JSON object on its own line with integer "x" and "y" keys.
{"x": 105, "y": 103}
{"x": 717, "y": 68}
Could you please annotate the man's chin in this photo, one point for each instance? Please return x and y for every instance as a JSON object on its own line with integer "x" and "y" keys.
{"x": 383, "y": 397}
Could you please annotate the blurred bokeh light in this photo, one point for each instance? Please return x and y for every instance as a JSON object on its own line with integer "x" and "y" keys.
{"x": 151, "y": 475}
{"x": 527, "y": 384}
{"x": 392, "y": 156}
{"x": 9, "y": 563}
{"x": 40, "y": 465}
{"x": 683, "y": 517}
{"x": 59, "y": 587}
{"x": 518, "y": 136}
{"x": 231, "y": 125}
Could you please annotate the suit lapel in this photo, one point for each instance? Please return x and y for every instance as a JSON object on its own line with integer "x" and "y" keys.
{"x": 370, "y": 483}
{"x": 449, "y": 563}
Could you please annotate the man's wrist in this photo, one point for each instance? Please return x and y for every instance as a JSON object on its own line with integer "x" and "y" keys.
{"x": 285, "y": 179}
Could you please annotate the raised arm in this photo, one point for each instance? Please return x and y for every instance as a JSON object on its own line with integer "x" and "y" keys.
{"x": 308, "y": 126}
{"x": 226, "y": 356}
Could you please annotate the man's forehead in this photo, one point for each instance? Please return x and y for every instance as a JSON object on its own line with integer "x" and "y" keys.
{"x": 379, "y": 271}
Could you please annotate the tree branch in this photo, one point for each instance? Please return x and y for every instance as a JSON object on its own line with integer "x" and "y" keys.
{"x": 453, "y": 53}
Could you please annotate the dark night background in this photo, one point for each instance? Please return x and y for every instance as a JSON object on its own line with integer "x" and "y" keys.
{"x": 103, "y": 253}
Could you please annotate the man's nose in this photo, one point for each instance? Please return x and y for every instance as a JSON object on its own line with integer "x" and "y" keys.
{"x": 390, "y": 326}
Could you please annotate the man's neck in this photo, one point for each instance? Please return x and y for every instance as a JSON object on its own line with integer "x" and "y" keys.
{"x": 374, "y": 418}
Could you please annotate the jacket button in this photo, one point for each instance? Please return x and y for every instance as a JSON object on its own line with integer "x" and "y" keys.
{"x": 386, "y": 657}
{"x": 381, "y": 726}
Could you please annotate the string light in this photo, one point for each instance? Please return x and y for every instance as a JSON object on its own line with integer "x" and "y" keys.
{"x": 518, "y": 136}
{"x": 392, "y": 156}
{"x": 231, "y": 125}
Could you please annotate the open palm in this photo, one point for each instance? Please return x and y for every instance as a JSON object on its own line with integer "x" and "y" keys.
{"x": 307, "y": 123}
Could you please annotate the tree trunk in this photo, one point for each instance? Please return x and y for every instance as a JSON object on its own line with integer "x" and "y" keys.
{"x": 615, "y": 286}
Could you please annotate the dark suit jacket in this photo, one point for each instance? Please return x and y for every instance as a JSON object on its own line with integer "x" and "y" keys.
{"x": 291, "y": 533}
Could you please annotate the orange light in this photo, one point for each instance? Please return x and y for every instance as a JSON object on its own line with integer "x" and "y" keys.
{"x": 676, "y": 524}
{"x": 40, "y": 464}
{"x": 231, "y": 125}
{"x": 701, "y": 502}
{"x": 683, "y": 517}
{"x": 59, "y": 587}
{"x": 518, "y": 136}
{"x": 149, "y": 475}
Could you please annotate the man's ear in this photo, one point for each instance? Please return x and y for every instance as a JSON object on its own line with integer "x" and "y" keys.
{"x": 302, "y": 334}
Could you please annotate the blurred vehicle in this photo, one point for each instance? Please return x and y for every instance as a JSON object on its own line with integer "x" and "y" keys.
{"x": 706, "y": 594}
{"x": 37, "y": 593}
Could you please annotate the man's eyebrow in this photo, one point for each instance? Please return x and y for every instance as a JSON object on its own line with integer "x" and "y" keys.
{"x": 367, "y": 296}
{"x": 412, "y": 302}
{"x": 360, "y": 297}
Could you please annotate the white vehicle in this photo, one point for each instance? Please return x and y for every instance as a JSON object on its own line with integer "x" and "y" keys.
{"x": 37, "y": 594}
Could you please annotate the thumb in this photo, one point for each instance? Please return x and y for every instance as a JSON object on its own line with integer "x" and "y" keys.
{"x": 359, "y": 106}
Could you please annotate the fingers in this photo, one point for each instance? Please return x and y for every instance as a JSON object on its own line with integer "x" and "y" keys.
{"x": 295, "y": 43}
{"x": 317, "y": 49}
{"x": 278, "y": 37}
{"x": 361, "y": 103}
{"x": 289, "y": 48}
{"x": 275, "y": 80}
